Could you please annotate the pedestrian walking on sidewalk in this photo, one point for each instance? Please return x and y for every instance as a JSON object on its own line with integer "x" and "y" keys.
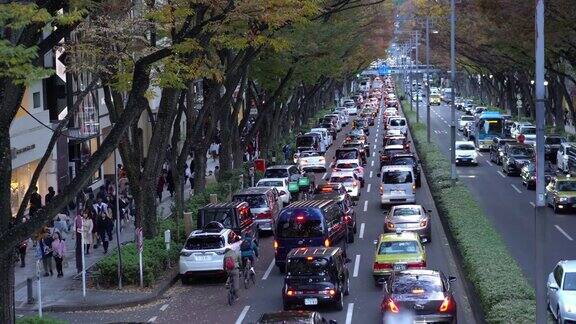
{"x": 35, "y": 202}
{"x": 61, "y": 226}
{"x": 105, "y": 226}
{"x": 22, "y": 247}
{"x": 78, "y": 231}
{"x": 160, "y": 185}
{"x": 170, "y": 182}
{"x": 44, "y": 251}
{"x": 87, "y": 229}
{"x": 58, "y": 251}
{"x": 49, "y": 196}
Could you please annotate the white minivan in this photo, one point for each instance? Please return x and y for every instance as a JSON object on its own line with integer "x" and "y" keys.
{"x": 326, "y": 137}
{"x": 397, "y": 123}
{"x": 398, "y": 185}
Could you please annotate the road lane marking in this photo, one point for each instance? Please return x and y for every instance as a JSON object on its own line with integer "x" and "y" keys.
{"x": 373, "y": 154}
{"x": 361, "y": 230}
{"x": 372, "y": 163}
{"x": 356, "y": 265}
{"x": 370, "y": 174}
{"x": 489, "y": 163}
{"x": 466, "y": 176}
{"x": 369, "y": 186}
{"x": 563, "y": 233}
{"x": 267, "y": 273}
{"x": 501, "y": 174}
{"x": 480, "y": 154}
{"x": 366, "y": 205}
{"x": 349, "y": 313}
{"x": 374, "y": 146}
{"x": 324, "y": 175}
{"x": 163, "y": 308}
{"x": 152, "y": 319}
{"x": 532, "y": 204}
{"x": 516, "y": 188}
{"x": 242, "y": 315}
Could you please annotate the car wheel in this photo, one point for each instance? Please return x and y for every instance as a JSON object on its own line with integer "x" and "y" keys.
{"x": 355, "y": 228}
{"x": 340, "y": 302}
{"x": 286, "y": 307}
{"x": 282, "y": 269}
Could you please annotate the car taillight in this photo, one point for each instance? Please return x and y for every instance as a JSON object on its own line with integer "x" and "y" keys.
{"x": 446, "y": 305}
{"x": 382, "y": 266}
{"x": 391, "y": 306}
{"x": 421, "y": 264}
{"x": 275, "y": 244}
{"x": 348, "y": 219}
{"x": 413, "y": 187}
{"x": 390, "y": 225}
{"x": 381, "y": 189}
{"x": 327, "y": 243}
{"x": 423, "y": 223}
{"x": 290, "y": 292}
{"x": 355, "y": 183}
{"x": 265, "y": 215}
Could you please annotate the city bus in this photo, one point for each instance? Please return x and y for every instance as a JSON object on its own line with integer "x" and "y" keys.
{"x": 488, "y": 125}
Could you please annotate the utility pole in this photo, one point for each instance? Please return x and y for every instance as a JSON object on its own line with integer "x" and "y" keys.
{"x": 453, "y": 174}
{"x": 540, "y": 209}
{"x": 428, "y": 79}
{"x": 410, "y": 72}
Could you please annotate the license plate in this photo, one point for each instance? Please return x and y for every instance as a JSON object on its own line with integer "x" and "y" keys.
{"x": 202, "y": 258}
{"x": 310, "y": 301}
{"x": 399, "y": 267}
{"x": 398, "y": 192}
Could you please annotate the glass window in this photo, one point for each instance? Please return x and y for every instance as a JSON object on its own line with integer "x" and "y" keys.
{"x": 255, "y": 201}
{"x": 406, "y": 211}
{"x": 276, "y": 173}
{"x": 397, "y": 122}
{"x": 36, "y": 101}
{"x": 343, "y": 179}
{"x": 223, "y": 216}
{"x": 350, "y": 165}
{"x": 207, "y": 242}
{"x": 87, "y": 148}
{"x": 299, "y": 223}
{"x": 269, "y": 183}
{"x": 569, "y": 281}
{"x": 308, "y": 267}
{"x": 409, "y": 285}
{"x": 466, "y": 147}
{"x": 566, "y": 185}
{"x": 397, "y": 177}
{"x": 398, "y": 247}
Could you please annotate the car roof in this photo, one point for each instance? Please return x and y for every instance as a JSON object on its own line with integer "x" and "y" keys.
{"x": 253, "y": 191}
{"x": 209, "y": 232}
{"x": 341, "y": 173}
{"x": 403, "y": 155}
{"x": 516, "y": 144}
{"x": 405, "y": 235}
{"x": 348, "y": 161}
{"x": 464, "y": 142}
{"x": 405, "y": 206}
{"x": 281, "y": 166}
{"x": 313, "y": 252}
{"x": 312, "y": 203}
{"x": 272, "y": 179}
{"x": 223, "y": 205}
{"x": 397, "y": 168}
{"x": 568, "y": 265}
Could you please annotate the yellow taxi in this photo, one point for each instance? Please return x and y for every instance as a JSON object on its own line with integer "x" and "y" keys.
{"x": 397, "y": 251}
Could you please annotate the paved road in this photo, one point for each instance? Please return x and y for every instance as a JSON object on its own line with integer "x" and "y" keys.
{"x": 205, "y": 301}
{"x": 508, "y": 205}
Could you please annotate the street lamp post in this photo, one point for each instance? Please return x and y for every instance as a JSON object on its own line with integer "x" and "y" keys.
{"x": 453, "y": 174}
{"x": 118, "y": 224}
{"x": 540, "y": 209}
{"x": 428, "y": 79}
{"x": 417, "y": 78}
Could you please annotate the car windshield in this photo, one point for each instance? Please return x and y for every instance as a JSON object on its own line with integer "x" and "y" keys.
{"x": 403, "y": 161}
{"x": 566, "y": 185}
{"x": 276, "y": 173}
{"x": 554, "y": 140}
{"x": 394, "y": 141}
{"x": 347, "y": 165}
{"x": 412, "y": 285}
{"x": 299, "y": 223}
{"x": 466, "y": 147}
{"x": 309, "y": 154}
{"x": 569, "y": 281}
{"x": 255, "y": 201}
{"x": 306, "y": 267}
{"x": 205, "y": 242}
{"x": 529, "y": 130}
{"x": 406, "y": 211}
{"x": 521, "y": 151}
{"x": 398, "y": 247}
{"x": 397, "y": 177}
{"x": 467, "y": 118}
{"x": 397, "y": 122}
{"x": 270, "y": 183}
{"x": 305, "y": 141}
{"x": 341, "y": 179}
{"x": 346, "y": 155}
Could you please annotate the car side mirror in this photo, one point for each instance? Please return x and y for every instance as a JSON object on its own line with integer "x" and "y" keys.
{"x": 452, "y": 279}
{"x": 429, "y": 210}
{"x": 553, "y": 285}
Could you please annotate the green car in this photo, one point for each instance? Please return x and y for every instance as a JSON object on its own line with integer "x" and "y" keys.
{"x": 397, "y": 252}
{"x": 561, "y": 193}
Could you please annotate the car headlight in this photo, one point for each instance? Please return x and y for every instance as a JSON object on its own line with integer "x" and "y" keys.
{"x": 570, "y": 308}
{"x": 562, "y": 199}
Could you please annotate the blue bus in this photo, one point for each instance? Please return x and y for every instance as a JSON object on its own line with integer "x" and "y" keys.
{"x": 488, "y": 125}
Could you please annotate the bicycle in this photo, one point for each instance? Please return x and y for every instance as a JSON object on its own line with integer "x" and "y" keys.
{"x": 248, "y": 273}
{"x": 232, "y": 293}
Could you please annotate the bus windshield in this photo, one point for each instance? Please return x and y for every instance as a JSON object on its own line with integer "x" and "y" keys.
{"x": 490, "y": 127}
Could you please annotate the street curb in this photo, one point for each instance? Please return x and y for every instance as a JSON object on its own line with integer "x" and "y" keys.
{"x": 476, "y": 309}
{"x": 158, "y": 291}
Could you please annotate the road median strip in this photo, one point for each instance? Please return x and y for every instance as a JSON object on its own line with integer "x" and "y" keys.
{"x": 504, "y": 293}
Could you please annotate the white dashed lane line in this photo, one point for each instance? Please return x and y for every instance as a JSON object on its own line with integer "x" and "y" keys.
{"x": 361, "y": 235}
{"x": 163, "y": 308}
{"x": 152, "y": 319}
{"x": 369, "y": 186}
{"x": 561, "y": 231}
{"x": 349, "y": 313}
{"x": 489, "y": 163}
{"x": 356, "y": 266}
{"x": 516, "y": 188}
{"x": 501, "y": 174}
{"x": 242, "y": 315}
{"x": 267, "y": 273}
{"x": 366, "y": 205}
{"x": 370, "y": 174}
{"x": 372, "y": 163}
{"x": 532, "y": 204}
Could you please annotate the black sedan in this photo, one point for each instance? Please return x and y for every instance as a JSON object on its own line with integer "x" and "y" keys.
{"x": 515, "y": 156}
{"x": 528, "y": 174}
{"x": 420, "y": 295}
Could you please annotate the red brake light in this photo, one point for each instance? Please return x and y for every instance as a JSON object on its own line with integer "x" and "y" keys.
{"x": 266, "y": 215}
{"x": 382, "y": 266}
{"x": 327, "y": 243}
{"x": 392, "y": 306}
{"x": 300, "y": 218}
{"x": 446, "y": 305}
{"x": 275, "y": 245}
{"x": 421, "y": 264}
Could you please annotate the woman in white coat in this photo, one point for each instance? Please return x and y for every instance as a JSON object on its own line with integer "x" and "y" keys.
{"x": 87, "y": 226}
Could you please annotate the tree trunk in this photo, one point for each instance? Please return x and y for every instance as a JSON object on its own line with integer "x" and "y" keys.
{"x": 200, "y": 168}
{"x": 178, "y": 200}
{"x": 7, "y": 283}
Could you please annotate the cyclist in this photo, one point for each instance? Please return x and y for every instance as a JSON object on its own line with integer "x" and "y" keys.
{"x": 232, "y": 263}
{"x": 249, "y": 250}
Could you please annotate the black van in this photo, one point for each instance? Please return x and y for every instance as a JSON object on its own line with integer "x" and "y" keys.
{"x": 309, "y": 223}
{"x": 315, "y": 276}
{"x": 233, "y": 215}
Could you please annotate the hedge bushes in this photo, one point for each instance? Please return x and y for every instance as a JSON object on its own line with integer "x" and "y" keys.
{"x": 505, "y": 295}
{"x": 38, "y": 320}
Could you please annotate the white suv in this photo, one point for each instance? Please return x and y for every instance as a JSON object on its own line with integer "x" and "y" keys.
{"x": 350, "y": 181}
{"x": 350, "y": 165}
{"x": 203, "y": 252}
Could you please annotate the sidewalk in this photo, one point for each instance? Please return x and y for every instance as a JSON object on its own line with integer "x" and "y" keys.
{"x": 59, "y": 292}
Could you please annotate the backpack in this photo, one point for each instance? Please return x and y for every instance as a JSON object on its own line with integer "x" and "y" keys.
{"x": 245, "y": 246}
{"x": 229, "y": 263}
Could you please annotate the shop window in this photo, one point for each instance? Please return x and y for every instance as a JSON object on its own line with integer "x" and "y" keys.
{"x": 87, "y": 149}
{"x": 36, "y": 101}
